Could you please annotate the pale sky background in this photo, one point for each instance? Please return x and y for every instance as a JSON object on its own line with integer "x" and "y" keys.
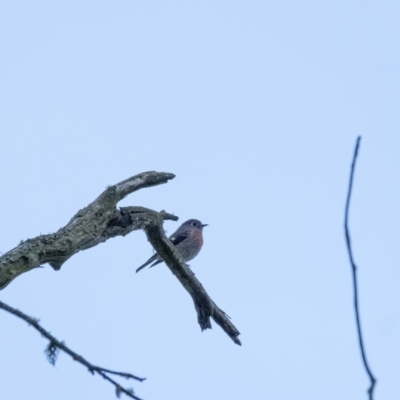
{"x": 255, "y": 106}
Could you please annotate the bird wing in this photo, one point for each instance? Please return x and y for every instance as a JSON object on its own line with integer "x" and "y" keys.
{"x": 178, "y": 238}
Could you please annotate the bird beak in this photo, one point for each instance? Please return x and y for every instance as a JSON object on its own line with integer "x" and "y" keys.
{"x": 203, "y": 225}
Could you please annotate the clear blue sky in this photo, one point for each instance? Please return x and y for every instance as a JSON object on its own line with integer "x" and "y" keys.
{"x": 255, "y": 106}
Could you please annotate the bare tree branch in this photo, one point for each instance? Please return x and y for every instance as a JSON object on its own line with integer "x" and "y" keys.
{"x": 354, "y": 270}
{"x": 94, "y": 224}
{"x": 100, "y": 221}
{"x": 204, "y": 305}
{"x": 55, "y": 346}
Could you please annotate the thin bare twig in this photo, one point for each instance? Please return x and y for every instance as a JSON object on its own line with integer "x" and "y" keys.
{"x": 354, "y": 270}
{"x": 55, "y": 345}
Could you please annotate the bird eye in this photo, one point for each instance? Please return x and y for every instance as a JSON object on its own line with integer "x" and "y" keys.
{"x": 194, "y": 224}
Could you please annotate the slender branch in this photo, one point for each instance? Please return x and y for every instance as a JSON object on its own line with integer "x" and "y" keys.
{"x": 354, "y": 270}
{"x": 55, "y": 345}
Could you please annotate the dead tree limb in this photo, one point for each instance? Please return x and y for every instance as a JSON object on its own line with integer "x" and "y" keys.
{"x": 94, "y": 224}
{"x": 354, "y": 271}
{"x": 204, "y": 305}
{"x": 100, "y": 221}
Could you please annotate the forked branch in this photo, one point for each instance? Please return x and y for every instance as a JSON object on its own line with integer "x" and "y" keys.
{"x": 102, "y": 220}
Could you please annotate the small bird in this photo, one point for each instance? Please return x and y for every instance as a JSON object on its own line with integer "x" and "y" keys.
{"x": 188, "y": 240}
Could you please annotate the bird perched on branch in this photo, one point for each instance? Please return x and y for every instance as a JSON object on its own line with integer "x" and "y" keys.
{"x": 188, "y": 240}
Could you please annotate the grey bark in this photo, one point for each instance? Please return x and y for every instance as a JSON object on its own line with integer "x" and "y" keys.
{"x": 102, "y": 220}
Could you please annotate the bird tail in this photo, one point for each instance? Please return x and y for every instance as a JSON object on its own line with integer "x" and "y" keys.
{"x": 153, "y": 258}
